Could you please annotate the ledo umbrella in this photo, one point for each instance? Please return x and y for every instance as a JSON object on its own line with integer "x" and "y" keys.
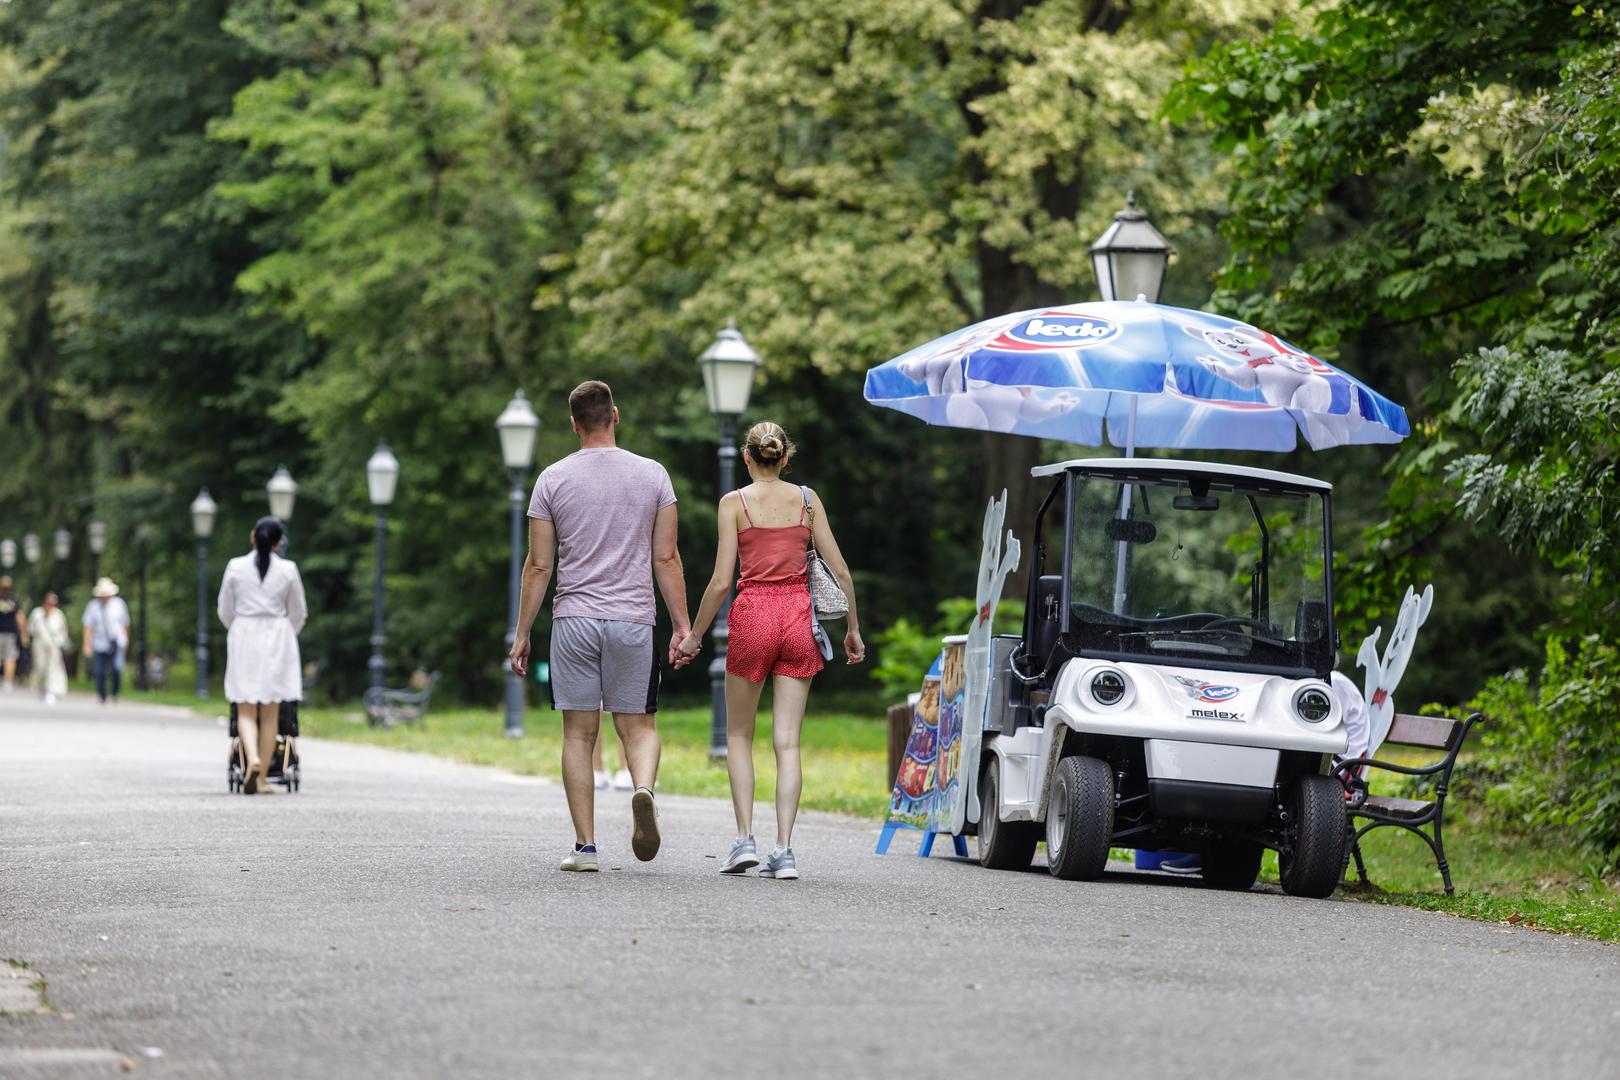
{"x": 1154, "y": 375}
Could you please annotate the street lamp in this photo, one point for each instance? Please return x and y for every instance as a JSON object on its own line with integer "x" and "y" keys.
{"x": 8, "y": 553}
{"x": 97, "y": 533}
{"x": 728, "y": 380}
{"x": 61, "y": 547}
{"x": 518, "y": 427}
{"x": 143, "y": 537}
{"x": 1130, "y": 256}
{"x": 203, "y": 509}
{"x": 31, "y": 556}
{"x": 382, "y": 474}
{"x": 282, "y": 490}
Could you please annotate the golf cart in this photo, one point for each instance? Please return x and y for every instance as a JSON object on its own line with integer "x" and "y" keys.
{"x": 1169, "y": 690}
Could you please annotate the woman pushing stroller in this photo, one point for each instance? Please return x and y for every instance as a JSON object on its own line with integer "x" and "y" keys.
{"x": 261, "y": 603}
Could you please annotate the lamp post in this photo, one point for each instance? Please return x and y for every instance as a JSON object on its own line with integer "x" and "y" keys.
{"x": 728, "y": 380}
{"x": 1130, "y": 257}
{"x": 282, "y": 491}
{"x": 31, "y": 556}
{"x": 518, "y": 427}
{"x": 8, "y": 554}
{"x": 382, "y": 474}
{"x": 61, "y": 547}
{"x": 203, "y": 509}
{"x": 96, "y": 531}
{"x": 143, "y": 537}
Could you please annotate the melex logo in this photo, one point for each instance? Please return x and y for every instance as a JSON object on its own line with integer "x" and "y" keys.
{"x": 1053, "y": 331}
{"x": 1213, "y": 714}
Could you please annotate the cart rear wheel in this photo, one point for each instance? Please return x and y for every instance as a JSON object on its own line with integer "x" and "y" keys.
{"x": 1080, "y": 818}
{"x": 1231, "y": 864}
{"x": 1003, "y": 845}
{"x": 1312, "y": 867}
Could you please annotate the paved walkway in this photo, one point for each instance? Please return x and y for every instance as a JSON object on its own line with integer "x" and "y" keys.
{"x": 403, "y": 917}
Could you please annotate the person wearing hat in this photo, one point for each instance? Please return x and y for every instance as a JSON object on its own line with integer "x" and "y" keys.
{"x": 13, "y": 632}
{"x": 106, "y": 636}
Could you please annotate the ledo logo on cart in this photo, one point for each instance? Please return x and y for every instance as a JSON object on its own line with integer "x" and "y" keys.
{"x": 1054, "y": 331}
{"x": 1203, "y": 691}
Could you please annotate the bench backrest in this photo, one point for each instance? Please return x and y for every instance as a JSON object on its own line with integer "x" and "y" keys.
{"x": 1430, "y": 732}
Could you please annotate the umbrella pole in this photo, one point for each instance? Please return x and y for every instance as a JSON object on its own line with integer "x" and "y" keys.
{"x": 1122, "y": 553}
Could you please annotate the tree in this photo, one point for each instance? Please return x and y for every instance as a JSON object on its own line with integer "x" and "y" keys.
{"x": 852, "y": 179}
{"x": 1449, "y": 168}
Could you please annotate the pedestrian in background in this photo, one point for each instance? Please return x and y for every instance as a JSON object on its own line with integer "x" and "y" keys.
{"x": 48, "y": 626}
{"x": 261, "y": 603}
{"x": 605, "y": 518}
{"x": 13, "y": 633}
{"x": 106, "y": 636}
{"x": 769, "y": 525}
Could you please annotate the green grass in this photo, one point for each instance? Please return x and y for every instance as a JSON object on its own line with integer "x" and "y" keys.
{"x": 1534, "y": 881}
{"x": 843, "y": 754}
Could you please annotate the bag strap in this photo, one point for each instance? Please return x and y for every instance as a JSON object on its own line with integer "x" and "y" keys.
{"x": 809, "y": 512}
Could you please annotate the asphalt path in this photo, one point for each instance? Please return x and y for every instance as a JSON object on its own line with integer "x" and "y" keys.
{"x": 403, "y": 916}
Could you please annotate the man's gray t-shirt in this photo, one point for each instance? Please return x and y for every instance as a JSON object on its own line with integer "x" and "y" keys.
{"x": 602, "y": 502}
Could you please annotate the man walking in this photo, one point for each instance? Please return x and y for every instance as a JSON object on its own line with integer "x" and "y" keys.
{"x": 106, "y": 635}
{"x": 605, "y": 518}
{"x": 13, "y": 633}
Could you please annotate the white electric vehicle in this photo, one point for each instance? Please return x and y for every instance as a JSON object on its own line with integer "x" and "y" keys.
{"x": 1170, "y": 688}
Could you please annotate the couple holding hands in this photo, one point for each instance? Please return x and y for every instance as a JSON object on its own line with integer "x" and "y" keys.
{"x": 603, "y": 522}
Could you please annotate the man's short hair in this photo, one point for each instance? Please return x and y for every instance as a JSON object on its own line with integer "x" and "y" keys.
{"x": 591, "y": 405}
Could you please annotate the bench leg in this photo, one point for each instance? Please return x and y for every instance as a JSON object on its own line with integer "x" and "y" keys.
{"x": 1355, "y": 851}
{"x": 1439, "y": 846}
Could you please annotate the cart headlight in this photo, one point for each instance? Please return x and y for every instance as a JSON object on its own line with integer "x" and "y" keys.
{"x": 1108, "y": 687}
{"x": 1312, "y": 705}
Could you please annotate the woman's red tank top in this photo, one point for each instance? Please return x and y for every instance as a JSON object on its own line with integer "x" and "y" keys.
{"x": 772, "y": 556}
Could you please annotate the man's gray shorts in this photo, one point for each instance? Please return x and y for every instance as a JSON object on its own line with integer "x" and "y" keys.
{"x": 8, "y": 648}
{"x": 603, "y": 664}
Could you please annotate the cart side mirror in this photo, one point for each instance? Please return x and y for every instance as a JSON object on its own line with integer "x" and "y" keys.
{"x": 1130, "y": 530}
{"x": 1196, "y": 502}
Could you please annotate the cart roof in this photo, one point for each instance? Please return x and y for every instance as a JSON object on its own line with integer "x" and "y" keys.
{"x": 1138, "y": 466}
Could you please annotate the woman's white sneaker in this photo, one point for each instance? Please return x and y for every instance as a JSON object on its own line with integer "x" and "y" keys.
{"x": 744, "y": 856}
{"x": 780, "y": 865}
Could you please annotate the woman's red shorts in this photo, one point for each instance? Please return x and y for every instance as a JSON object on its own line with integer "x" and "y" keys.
{"x": 770, "y": 632}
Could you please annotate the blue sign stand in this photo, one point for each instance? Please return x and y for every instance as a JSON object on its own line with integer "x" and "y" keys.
{"x": 926, "y": 847}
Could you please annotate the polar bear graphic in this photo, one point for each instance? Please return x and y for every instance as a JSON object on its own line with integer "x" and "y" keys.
{"x": 1252, "y": 359}
{"x": 982, "y": 406}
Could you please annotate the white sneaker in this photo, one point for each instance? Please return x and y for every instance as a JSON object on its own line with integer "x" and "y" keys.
{"x": 583, "y": 859}
{"x": 622, "y": 781}
{"x": 50, "y": 699}
{"x": 603, "y": 779}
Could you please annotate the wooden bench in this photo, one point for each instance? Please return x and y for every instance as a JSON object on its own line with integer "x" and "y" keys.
{"x": 390, "y": 707}
{"x": 1379, "y": 811}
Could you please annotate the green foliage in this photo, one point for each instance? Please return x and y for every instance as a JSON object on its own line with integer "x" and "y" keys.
{"x": 905, "y": 651}
{"x": 1418, "y": 180}
{"x": 1555, "y": 749}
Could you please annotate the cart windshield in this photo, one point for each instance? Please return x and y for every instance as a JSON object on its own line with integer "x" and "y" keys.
{"x": 1201, "y": 570}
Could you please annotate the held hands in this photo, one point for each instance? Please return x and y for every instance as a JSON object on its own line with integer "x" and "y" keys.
{"x": 684, "y": 647}
{"x": 854, "y": 647}
{"x": 520, "y": 655}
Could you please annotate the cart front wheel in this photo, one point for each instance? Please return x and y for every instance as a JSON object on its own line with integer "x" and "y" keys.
{"x": 1312, "y": 867}
{"x": 1080, "y": 819}
{"x": 1003, "y": 845}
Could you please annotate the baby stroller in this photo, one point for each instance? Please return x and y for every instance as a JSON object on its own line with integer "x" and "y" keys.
{"x": 282, "y": 768}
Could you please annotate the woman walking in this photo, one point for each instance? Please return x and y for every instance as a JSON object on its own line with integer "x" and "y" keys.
{"x": 261, "y": 603}
{"x": 769, "y": 524}
{"x": 49, "y": 629}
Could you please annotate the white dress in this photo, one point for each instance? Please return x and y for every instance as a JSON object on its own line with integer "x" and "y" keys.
{"x": 263, "y": 617}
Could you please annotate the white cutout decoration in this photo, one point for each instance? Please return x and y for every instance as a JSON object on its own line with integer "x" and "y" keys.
{"x": 1384, "y": 674}
{"x": 997, "y": 560}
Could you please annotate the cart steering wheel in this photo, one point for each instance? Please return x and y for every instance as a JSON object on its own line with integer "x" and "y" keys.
{"x": 1240, "y": 620}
